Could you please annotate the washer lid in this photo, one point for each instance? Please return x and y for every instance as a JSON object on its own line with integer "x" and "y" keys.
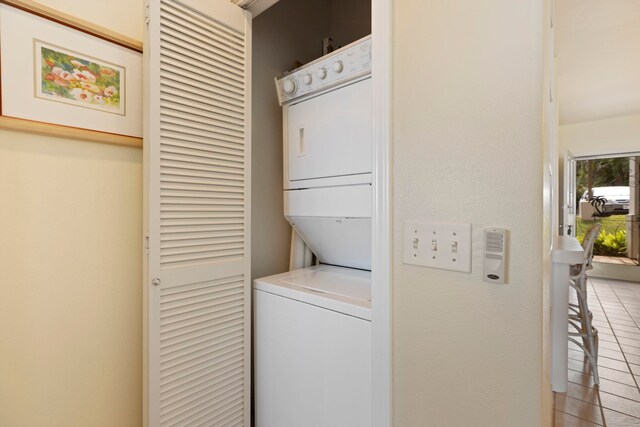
{"x": 346, "y": 282}
{"x": 345, "y": 290}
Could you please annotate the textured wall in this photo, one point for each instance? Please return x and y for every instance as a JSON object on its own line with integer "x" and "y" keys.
{"x": 467, "y": 107}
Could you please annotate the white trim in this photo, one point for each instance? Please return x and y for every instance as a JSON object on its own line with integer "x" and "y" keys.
{"x": 256, "y": 7}
{"x": 382, "y": 257}
{"x": 248, "y": 294}
{"x": 260, "y": 6}
{"x": 606, "y": 155}
{"x": 151, "y": 294}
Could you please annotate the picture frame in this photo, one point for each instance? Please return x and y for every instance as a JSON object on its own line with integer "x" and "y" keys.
{"x": 62, "y": 76}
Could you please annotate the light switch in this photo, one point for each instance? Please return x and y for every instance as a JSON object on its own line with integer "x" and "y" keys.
{"x": 450, "y": 247}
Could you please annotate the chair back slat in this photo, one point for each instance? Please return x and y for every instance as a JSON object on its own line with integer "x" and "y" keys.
{"x": 588, "y": 243}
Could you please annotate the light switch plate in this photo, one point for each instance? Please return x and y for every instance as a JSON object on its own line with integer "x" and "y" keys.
{"x": 438, "y": 245}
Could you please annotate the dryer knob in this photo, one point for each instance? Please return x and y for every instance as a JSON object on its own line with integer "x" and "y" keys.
{"x": 322, "y": 73}
{"x": 290, "y": 86}
{"x": 338, "y": 66}
{"x": 307, "y": 79}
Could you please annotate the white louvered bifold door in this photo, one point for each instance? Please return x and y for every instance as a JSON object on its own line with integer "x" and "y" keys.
{"x": 197, "y": 286}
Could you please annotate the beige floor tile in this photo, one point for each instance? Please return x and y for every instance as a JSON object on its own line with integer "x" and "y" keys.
{"x": 632, "y": 358}
{"x": 620, "y": 404}
{"x": 603, "y": 372}
{"x": 562, "y": 419}
{"x": 578, "y": 408}
{"x": 616, "y": 419}
{"x": 609, "y": 345}
{"x": 630, "y": 335}
{"x": 580, "y": 392}
{"x": 622, "y": 390}
{"x": 629, "y": 349}
{"x": 635, "y": 369}
{"x": 580, "y": 378}
{"x": 618, "y": 328}
{"x": 612, "y": 354}
{"x": 613, "y": 364}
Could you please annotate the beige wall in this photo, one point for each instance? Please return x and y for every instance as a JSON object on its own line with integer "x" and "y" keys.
{"x": 467, "y": 103}
{"x": 71, "y": 267}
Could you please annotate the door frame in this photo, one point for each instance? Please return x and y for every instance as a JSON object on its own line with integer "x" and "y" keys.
{"x": 382, "y": 256}
{"x": 569, "y": 206}
{"x": 382, "y": 228}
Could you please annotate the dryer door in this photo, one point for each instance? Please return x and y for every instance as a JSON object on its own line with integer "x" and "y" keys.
{"x": 330, "y": 135}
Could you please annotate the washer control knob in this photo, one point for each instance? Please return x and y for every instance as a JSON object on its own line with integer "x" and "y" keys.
{"x": 338, "y": 66}
{"x": 307, "y": 79}
{"x": 322, "y": 73}
{"x": 290, "y": 86}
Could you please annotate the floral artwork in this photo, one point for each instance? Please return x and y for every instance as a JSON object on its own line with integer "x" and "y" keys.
{"x": 78, "y": 79}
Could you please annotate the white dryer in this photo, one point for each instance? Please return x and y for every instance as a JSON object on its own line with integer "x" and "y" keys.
{"x": 327, "y": 114}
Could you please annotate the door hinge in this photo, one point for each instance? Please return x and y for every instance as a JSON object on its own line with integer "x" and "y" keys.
{"x": 146, "y": 244}
{"x": 146, "y": 13}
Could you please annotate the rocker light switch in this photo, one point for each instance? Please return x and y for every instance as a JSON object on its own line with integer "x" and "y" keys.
{"x": 453, "y": 252}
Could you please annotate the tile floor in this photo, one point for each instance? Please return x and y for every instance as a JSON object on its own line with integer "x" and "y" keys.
{"x": 614, "y": 260}
{"x": 616, "y": 313}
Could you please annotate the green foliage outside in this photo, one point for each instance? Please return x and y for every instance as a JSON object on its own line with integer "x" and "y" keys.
{"x": 612, "y": 240}
{"x": 606, "y": 173}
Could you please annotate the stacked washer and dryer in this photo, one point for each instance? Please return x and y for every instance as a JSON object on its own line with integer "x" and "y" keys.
{"x": 313, "y": 324}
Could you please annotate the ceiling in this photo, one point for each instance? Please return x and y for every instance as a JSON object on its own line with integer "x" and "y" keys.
{"x": 598, "y": 51}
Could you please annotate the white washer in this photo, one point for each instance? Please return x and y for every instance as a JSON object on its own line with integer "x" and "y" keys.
{"x": 313, "y": 348}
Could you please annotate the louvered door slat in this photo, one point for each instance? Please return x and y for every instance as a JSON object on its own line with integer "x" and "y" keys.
{"x": 177, "y": 112}
{"x": 194, "y": 104}
{"x": 197, "y": 154}
{"x": 178, "y": 72}
{"x": 174, "y": 138}
{"x": 180, "y": 87}
{"x": 195, "y": 52}
{"x": 186, "y": 68}
{"x": 182, "y": 20}
{"x": 203, "y": 65}
{"x": 199, "y": 109}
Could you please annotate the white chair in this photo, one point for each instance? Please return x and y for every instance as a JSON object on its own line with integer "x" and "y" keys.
{"x": 581, "y": 317}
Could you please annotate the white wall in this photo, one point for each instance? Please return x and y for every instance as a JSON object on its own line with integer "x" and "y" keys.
{"x": 616, "y": 135}
{"x": 598, "y": 59}
{"x": 71, "y": 270}
{"x": 467, "y": 105}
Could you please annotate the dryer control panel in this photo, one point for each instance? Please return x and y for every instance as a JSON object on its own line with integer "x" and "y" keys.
{"x": 345, "y": 64}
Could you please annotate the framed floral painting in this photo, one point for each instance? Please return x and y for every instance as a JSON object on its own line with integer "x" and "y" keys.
{"x": 78, "y": 79}
{"x": 55, "y": 74}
